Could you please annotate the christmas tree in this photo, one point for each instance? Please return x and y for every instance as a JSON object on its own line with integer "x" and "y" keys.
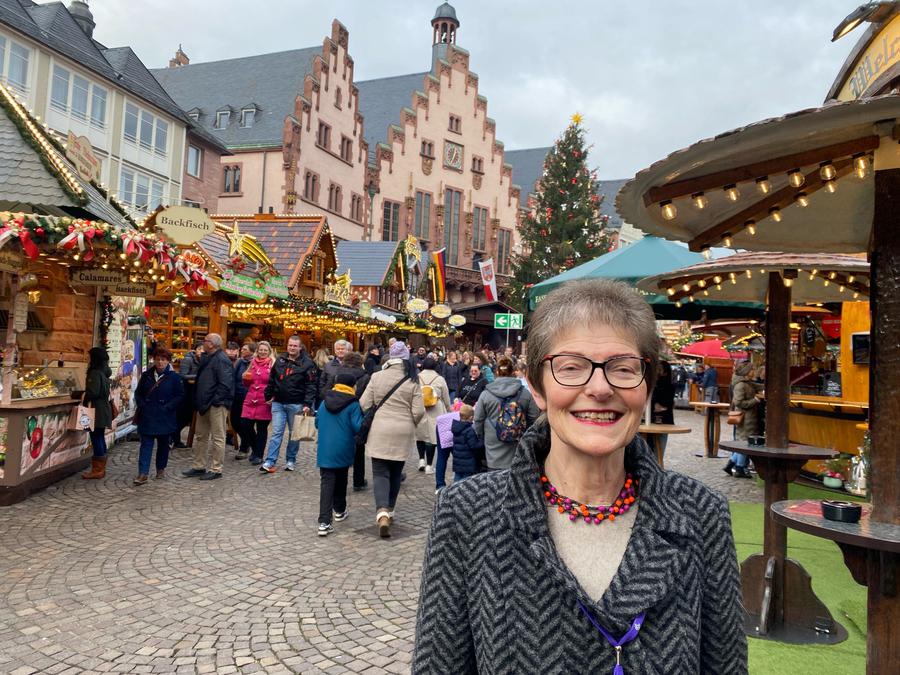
{"x": 564, "y": 227}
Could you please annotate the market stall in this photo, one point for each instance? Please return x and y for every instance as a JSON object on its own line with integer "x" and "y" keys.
{"x": 805, "y": 182}
{"x": 70, "y": 258}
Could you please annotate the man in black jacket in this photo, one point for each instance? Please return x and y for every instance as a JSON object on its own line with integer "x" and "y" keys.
{"x": 330, "y": 371}
{"x": 292, "y": 388}
{"x": 213, "y": 394}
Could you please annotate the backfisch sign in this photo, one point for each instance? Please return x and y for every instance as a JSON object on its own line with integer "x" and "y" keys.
{"x": 184, "y": 224}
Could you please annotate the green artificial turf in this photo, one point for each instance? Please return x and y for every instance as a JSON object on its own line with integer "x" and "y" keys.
{"x": 831, "y": 582}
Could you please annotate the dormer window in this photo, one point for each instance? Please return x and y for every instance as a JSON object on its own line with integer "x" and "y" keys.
{"x": 222, "y": 118}
{"x": 247, "y": 117}
{"x": 194, "y": 114}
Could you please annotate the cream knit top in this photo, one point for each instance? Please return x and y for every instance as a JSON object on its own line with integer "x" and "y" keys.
{"x": 591, "y": 552}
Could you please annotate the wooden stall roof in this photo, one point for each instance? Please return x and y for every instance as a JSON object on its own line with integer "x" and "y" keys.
{"x": 290, "y": 240}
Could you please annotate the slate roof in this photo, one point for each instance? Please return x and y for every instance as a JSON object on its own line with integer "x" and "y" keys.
{"x": 270, "y": 81}
{"x": 528, "y": 166}
{"x": 380, "y": 102}
{"x": 368, "y": 261}
{"x": 23, "y": 177}
{"x": 51, "y": 25}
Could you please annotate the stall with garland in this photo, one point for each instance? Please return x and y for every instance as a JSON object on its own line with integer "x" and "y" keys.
{"x": 69, "y": 259}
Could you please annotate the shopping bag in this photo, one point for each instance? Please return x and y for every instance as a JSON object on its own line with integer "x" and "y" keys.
{"x": 304, "y": 428}
{"x": 81, "y": 418}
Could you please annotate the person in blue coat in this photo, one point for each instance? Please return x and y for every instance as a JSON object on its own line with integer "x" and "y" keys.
{"x": 158, "y": 396}
{"x": 338, "y": 419}
{"x": 467, "y": 446}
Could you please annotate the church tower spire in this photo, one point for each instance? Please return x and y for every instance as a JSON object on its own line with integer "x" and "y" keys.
{"x": 445, "y": 25}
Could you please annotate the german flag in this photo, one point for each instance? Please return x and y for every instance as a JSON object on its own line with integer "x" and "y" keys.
{"x": 438, "y": 285}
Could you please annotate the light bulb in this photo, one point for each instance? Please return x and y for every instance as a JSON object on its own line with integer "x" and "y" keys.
{"x": 678, "y": 303}
{"x": 749, "y": 274}
{"x": 726, "y": 239}
{"x": 832, "y": 275}
{"x": 732, "y": 192}
{"x": 788, "y": 282}
{"x": 707, "y": 253}
{"x": 831, "y": 186}
{"x": 717, "y": 279}
{"x": 827, "y": 171}
{"x": 775, "y": 213}
{"x": 764, "y": 185}
{"x": 802, "y": 199}
{"x": 702, "y": 283}
{"x": 670, "y": 291}
{"x": 861, "y": 165}
{"x": 751, "y": 226}
{"x": 685, "y": 287}
{"x": 855, "y": 296}
{"x": 668, "y": 210}
{"x": 718, "y": 287}
{"x": 851, "y": 279}
{"x": 796, "y": 178}
{"x": 700, "y": 200}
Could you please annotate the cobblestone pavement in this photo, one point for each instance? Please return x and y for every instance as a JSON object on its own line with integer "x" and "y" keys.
{"x": 227, "y": 576}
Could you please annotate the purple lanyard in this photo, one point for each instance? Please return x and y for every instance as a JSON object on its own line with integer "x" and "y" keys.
{"x": 615, "y": 644}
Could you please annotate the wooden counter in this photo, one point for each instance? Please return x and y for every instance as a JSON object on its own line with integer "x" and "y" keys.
{"x": 826, "y": 422}
{"x": 36, "y": 446}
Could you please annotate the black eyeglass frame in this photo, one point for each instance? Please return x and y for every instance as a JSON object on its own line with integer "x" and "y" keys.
{"x": 602, "y": 366}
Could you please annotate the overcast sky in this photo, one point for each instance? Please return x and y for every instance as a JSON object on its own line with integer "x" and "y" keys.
{"x": 649, "y": 76}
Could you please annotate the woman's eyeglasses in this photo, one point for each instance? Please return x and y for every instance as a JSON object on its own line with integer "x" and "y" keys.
{"x": 622, "y": 372}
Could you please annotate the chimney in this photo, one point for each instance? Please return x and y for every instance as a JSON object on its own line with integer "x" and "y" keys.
{"x": 181, "y": 59}
{"x": 82, "y": 14}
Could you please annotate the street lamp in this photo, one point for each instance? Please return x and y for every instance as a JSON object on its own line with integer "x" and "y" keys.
{"x": 873, "y": 12}
{"x": 372, "y": 190}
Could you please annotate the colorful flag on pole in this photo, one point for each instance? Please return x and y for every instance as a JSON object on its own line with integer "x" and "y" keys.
{"x": 439, "y": 286}
{"x": 488, "y": 279}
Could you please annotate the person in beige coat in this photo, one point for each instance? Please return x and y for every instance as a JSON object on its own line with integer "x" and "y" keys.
{"x": 393, "y": 431}
{"x": 426, "y": 431}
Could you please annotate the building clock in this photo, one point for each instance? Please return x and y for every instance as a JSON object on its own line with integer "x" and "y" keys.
{"x": 453, "y": 155}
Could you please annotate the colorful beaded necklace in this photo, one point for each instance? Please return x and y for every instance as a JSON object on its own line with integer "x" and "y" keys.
{"x": 591, "y": 514}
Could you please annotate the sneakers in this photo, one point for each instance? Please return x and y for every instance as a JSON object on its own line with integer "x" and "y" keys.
{"x": 289, "y": 466}
{"x": 421, "y": 465}
{"x": 325, "y": 529}
{"x": 265, "y": 467}
{"x": 383, "y": 519}
{"x": 191, "y": 473}
{"x": 338, "y": 517}
{"x": 140, "y": 480}
{"x": 211, "y": 475}
{"x": 429, "y": 469}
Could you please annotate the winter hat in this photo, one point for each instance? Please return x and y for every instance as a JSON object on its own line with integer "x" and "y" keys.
{"x": 345, "y": 379}
{"x": 742, "y": 369}
{"x": 399, "y": 350}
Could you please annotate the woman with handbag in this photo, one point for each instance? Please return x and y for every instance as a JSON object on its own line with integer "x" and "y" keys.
{"x": 158, "y": 396}
{"x": 256, "y": 412}
{"x": 396, "y": 392}
{"x": 743, "y": 415}
{"x": 96, "y": 396}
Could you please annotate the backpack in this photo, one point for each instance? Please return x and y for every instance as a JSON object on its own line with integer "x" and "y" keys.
{"x": 429, "y": 397}
{"x": 511, "y": 422}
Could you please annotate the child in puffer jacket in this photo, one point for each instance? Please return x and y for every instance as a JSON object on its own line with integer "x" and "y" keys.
{"x": 467, "y": 446}
{"x": 445, "y": 446}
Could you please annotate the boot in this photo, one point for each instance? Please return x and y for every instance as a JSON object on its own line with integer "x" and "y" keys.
{"x": 728, "y": 467}
{"x": 98, "y": 468}
{"x": 384, "y": 524}
{"x": 742, "y": 472}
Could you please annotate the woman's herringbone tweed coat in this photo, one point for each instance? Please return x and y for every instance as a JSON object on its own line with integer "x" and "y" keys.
{"x": 496, "y": 598}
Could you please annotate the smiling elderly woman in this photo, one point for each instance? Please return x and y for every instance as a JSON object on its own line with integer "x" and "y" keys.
{"x": 585, "y": 555}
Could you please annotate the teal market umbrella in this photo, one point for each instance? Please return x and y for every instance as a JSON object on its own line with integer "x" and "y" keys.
{"x": 648, "y": 257}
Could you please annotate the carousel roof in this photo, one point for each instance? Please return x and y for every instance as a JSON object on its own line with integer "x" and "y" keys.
{"x": 736, "y": 188}
{"x": 744, "y": 277}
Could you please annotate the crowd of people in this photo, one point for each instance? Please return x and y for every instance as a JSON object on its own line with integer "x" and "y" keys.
{"x": 471, "y": 406}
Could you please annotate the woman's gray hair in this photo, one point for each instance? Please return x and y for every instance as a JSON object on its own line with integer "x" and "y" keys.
{"x": 591, "y": 302}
